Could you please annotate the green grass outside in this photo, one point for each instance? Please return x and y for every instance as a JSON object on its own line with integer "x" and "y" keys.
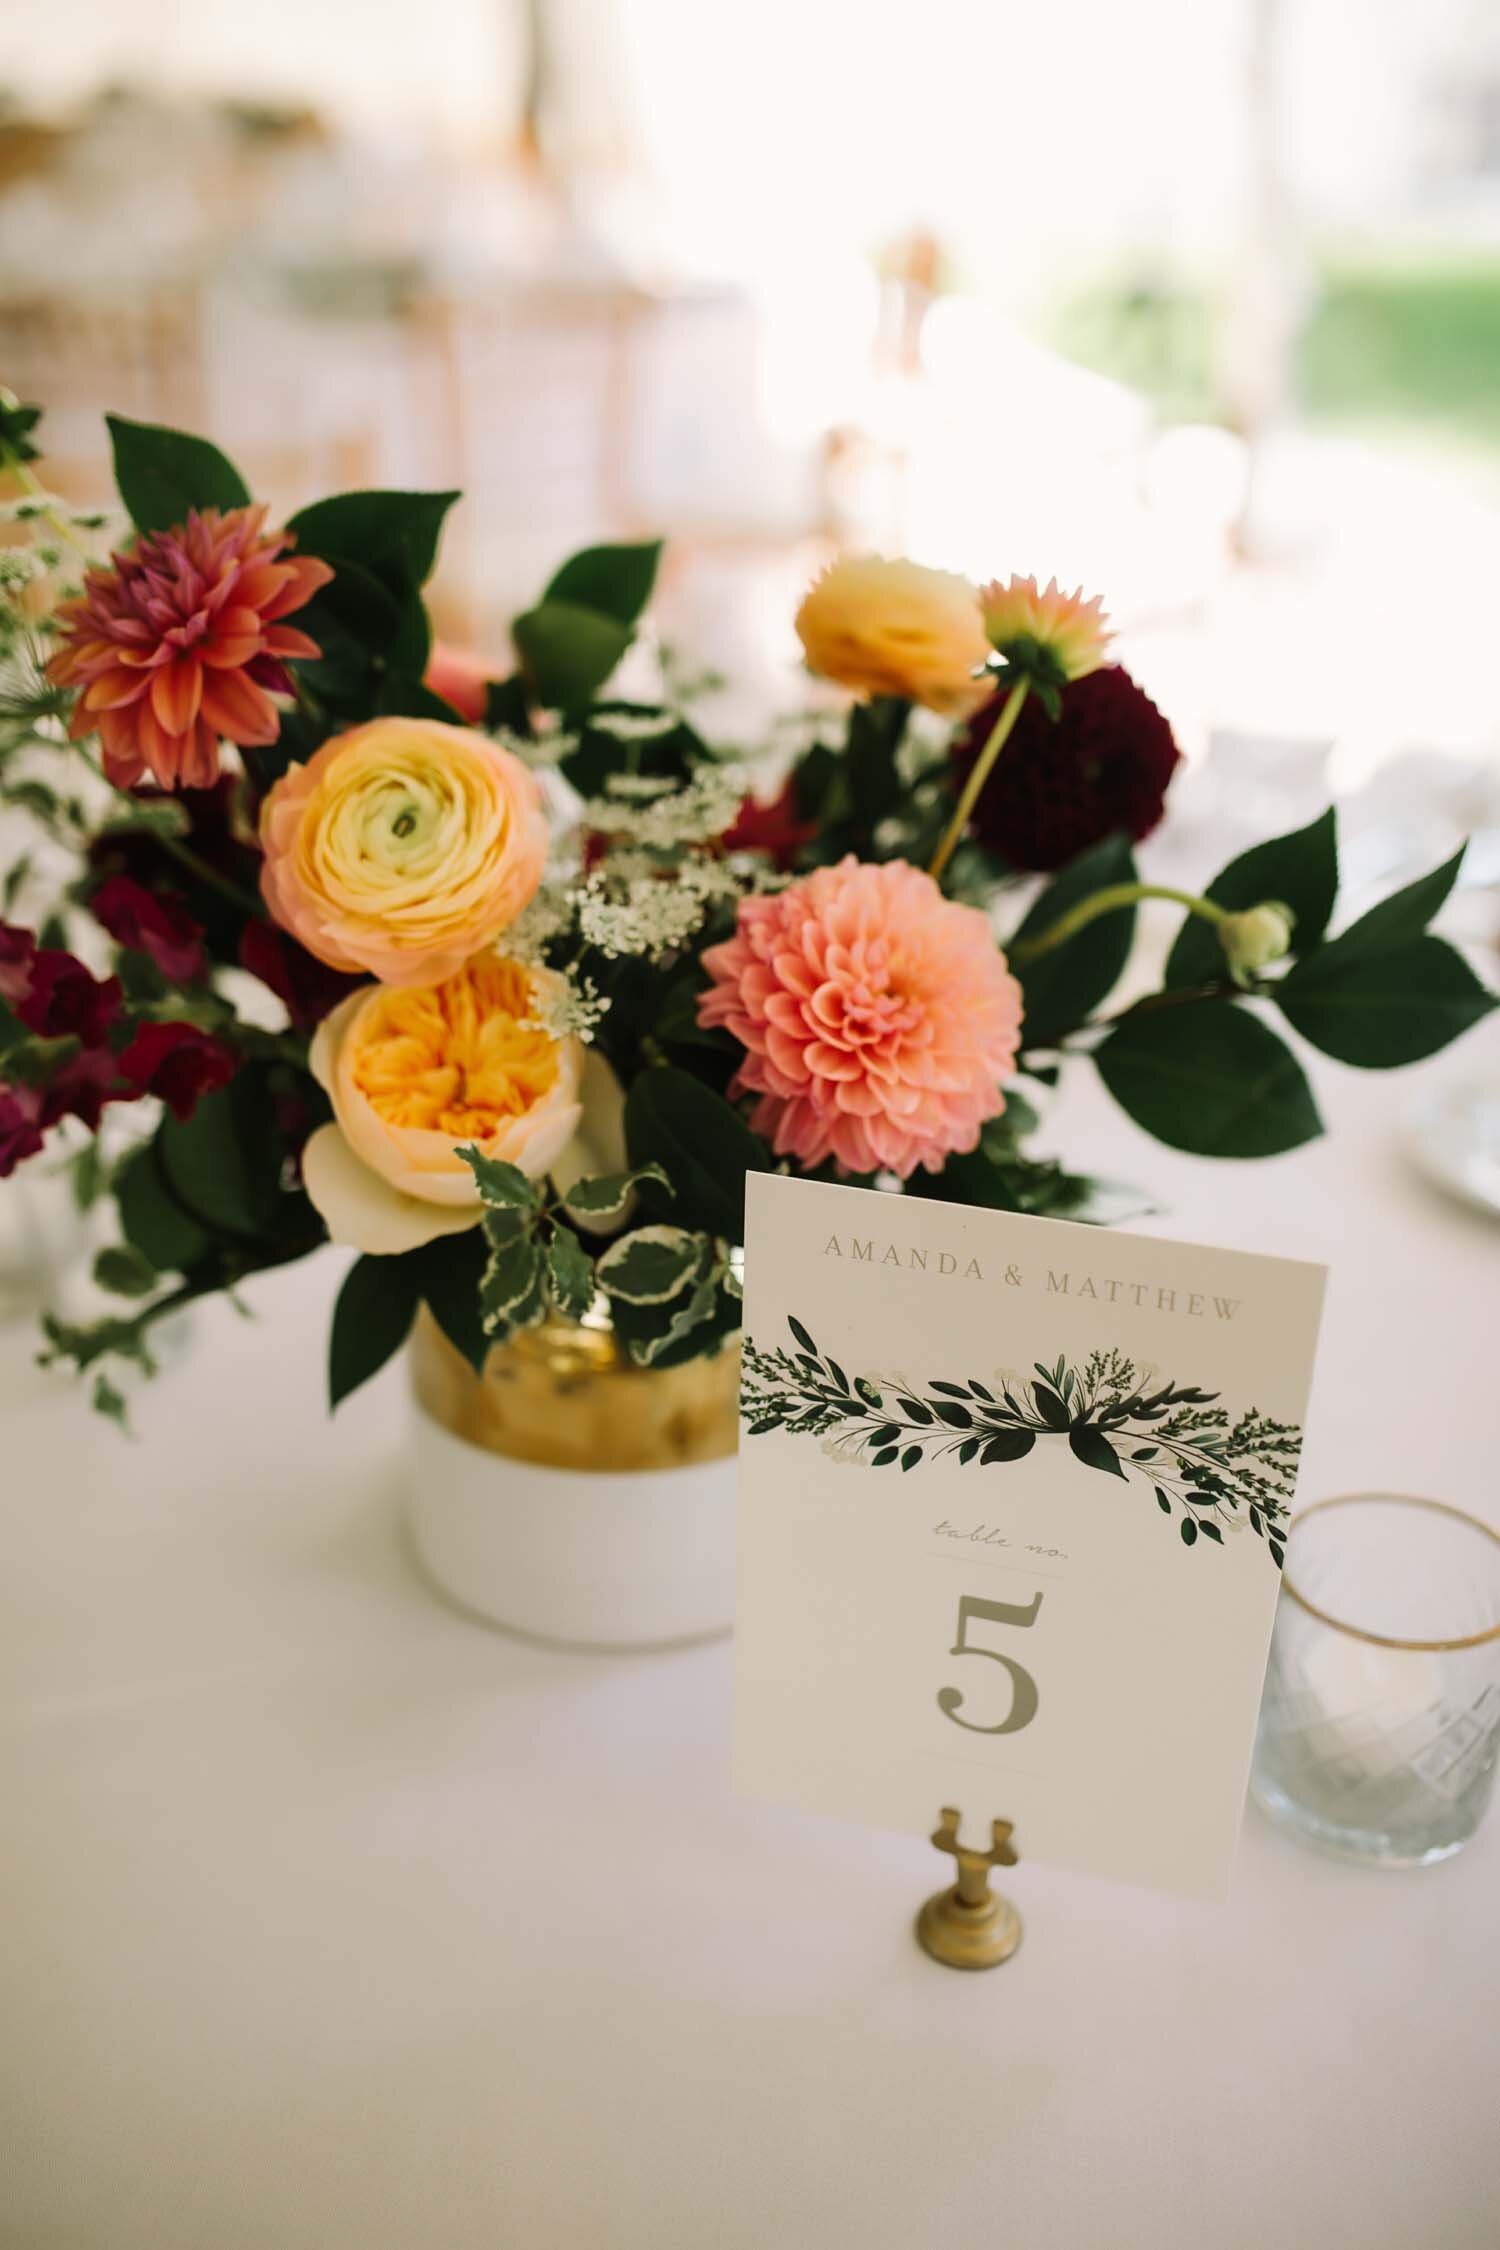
{"x": 1398, "y": 348}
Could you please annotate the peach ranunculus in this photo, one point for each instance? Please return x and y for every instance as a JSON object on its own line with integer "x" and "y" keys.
{"x": 896, "y": 628}
{"x": 402, "y": 848}
{"x": 416, "y": 1075}
{"x": 879, "y": 1018}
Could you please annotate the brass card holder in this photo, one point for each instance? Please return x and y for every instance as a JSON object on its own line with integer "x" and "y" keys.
{"x": 970, "y": 1926}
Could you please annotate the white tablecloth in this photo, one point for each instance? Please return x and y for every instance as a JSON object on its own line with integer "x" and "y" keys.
{"x": 335, "y": 1922}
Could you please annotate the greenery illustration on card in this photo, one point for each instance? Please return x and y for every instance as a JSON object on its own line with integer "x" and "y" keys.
{"x": 1207, "y": 1467}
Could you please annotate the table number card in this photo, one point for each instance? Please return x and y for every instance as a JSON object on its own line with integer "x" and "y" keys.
{"x": 1013, "y": 1493}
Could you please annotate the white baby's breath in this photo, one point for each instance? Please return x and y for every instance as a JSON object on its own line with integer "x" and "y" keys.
{"x": 634, "y": 726}
{"x": 637, "y": 809}
{"x": 549, "y": 915}
{"x": 570, "y": 1009}
{"x": 536, "y": 749}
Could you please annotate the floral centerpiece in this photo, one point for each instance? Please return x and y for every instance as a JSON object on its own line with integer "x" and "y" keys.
{"x": 506, "y": 982}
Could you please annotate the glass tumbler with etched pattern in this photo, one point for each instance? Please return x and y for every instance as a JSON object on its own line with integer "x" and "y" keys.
{"x": 1380, "y": 1724}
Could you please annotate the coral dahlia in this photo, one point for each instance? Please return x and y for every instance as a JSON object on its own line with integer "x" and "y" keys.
{"x": 879, "y": 1018}
{"x": 175, "y": 643}
{"x": 1061, "y": 635}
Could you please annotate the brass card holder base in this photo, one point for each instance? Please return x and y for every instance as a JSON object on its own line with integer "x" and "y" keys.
{"x": 970, "y": 1926}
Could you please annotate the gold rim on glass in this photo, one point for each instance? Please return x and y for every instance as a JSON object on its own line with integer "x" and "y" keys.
{"x": 1400, "y": 1500}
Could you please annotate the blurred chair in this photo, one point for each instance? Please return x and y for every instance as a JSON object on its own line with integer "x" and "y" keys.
{"x": 142, "y": 354}
{"x": 530, "y": 392}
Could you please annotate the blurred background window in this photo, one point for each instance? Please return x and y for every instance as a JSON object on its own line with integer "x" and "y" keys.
{"x": 1197, "y": 301}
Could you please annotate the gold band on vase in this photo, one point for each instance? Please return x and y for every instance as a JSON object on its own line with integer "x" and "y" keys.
{"x": 566, "y": 1396}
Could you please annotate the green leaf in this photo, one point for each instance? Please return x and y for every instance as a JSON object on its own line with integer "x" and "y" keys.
{"x": 615, "y": 581}
{"x": 1093, "y": 1448}
{"x": 511, "y": 1293}
{"x": 88, "y": 1176}
{"x": 570, "y": 1274}
{"x": 1062, "y": 989}
{"x": 1189, "y": 1531}
{"x": 651, "y": 1264}
{"x": 163, "y": 474}
{"x": 1209, "y": 1078}
{"x": 805, "y": 1340}
{"x": 606, "y": 1197}
{"x": 108, "y": 1401}
{"x": 688, "y": 1317}
{"x": 123, "y": 1270}
{"x": 1020, "y": 1117}
{"x": 499, "y": 1183}
{"x": 392, "y": 534}
{"x": 1402, "y": 916}
{"x": 663, "y": 1336}
{"x": 17, "y": 428}
{"x": 1301, "y": 870}
{"x": 1050, "y": 1407}
{"x": 505, "y": 1223}
{"x": 450, "y": 1270}
{"x": 402, "y": 697}
{"x": 957, "y": 1417}
{"x": 223, "y": 1164}
{"x": 568, "y": 653}
{"x": 702, "y": 1144}
{"x": 505, "y": 705}
{"x": 911, "y": 1457}
{"x": 371, "y": 1319}
{"x": 874, "y": 780}
{"x": 1380, "y": 1010}
{"x": 354, "y": 619}
{"x": 408, "y": 698}
{"x": 153, "y": 1221}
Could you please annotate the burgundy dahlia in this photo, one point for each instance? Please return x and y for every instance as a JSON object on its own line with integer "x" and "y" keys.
{"x": 1058, "y": 786}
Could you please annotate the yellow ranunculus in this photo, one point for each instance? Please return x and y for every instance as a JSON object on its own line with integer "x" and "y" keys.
{"x": 896, "y": 628}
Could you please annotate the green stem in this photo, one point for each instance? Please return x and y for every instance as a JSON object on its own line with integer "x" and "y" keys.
{"x": 1107, "y": 901}
{"x": 979, "y": 775}
{"x": 1151, "y": 1002}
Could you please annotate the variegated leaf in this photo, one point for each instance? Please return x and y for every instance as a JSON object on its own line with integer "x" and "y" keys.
{"x": 651, "y": 1265}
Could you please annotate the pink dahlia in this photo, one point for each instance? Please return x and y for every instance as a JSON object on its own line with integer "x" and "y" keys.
{"x": 175, "y": 643}
{"x": 879, "y": 1018}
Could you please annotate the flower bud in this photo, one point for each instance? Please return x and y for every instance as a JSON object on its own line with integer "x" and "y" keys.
{"x": 1256, "y": 938}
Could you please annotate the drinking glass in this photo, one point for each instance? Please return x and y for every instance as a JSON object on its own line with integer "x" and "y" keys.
{"x": 1380, "y": 1724}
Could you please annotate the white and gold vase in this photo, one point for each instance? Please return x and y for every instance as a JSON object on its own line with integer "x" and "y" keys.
{"x": 571, "y": 1496}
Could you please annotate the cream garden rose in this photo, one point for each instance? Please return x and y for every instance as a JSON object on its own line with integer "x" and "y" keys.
{"x": 896, "y": 628}
{"x": 402, "y": 848}
{"x": 416, "y": 1074}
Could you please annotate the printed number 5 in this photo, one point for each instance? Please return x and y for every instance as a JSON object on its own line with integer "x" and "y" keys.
{"x": 1023, "y": 1686}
